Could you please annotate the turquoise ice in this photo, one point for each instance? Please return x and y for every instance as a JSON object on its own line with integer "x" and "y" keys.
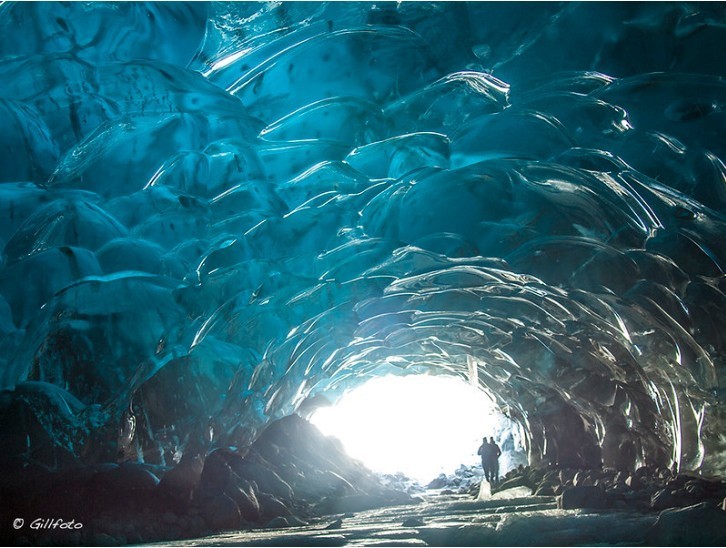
{"x": 211, "y": 213}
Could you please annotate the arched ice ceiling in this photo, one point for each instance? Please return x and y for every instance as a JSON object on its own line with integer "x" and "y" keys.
{"x": 213, "y": 212}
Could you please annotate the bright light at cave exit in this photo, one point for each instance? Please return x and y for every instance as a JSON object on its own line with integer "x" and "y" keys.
{"x": 419, "y": 425}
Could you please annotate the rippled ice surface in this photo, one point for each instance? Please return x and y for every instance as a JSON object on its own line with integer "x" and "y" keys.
{"x": 211, "y": 212}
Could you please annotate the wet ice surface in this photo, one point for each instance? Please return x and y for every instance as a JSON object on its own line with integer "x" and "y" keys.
{"x": 211, "y": 213}
{"x": 456, "y": 520}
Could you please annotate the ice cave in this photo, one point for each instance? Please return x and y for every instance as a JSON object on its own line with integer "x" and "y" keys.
{"x": 219, "y": 220}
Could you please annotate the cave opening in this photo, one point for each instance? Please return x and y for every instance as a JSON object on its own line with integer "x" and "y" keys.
{"x": 420, "y": 426}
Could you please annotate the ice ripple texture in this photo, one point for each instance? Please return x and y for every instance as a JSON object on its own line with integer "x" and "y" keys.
{"x": 212, "y": 212}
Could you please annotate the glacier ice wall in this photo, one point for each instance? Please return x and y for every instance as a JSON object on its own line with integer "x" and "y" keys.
{"x": 212, "y": 213}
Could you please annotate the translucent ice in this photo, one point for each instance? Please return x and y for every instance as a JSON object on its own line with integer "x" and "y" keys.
{"x": 211, "y": 213}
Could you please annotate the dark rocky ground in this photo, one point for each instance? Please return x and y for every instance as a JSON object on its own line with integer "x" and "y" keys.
{"x": 291, "y": 475}
{"x": 297, "y": 487}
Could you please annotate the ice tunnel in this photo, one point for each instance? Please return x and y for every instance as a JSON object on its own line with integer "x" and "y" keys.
{"x": 215, "y": 215}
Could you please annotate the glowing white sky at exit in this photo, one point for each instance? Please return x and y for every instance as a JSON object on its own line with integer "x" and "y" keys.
{"x": 418, "y": 424}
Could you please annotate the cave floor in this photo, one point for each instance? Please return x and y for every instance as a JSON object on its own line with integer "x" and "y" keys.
{"x": 454, "y": 520}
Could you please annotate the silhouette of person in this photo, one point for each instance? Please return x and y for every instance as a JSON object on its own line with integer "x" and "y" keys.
{"x": 494, "y": 454}
{"x": 485, "y": 451}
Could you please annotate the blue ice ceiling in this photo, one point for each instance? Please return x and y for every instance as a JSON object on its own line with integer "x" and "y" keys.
{"x": 210, "y": 213}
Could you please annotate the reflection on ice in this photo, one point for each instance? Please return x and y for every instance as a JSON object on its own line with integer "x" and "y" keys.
{"x": 485, "y": 492}
{"x": 212, "y": 214}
